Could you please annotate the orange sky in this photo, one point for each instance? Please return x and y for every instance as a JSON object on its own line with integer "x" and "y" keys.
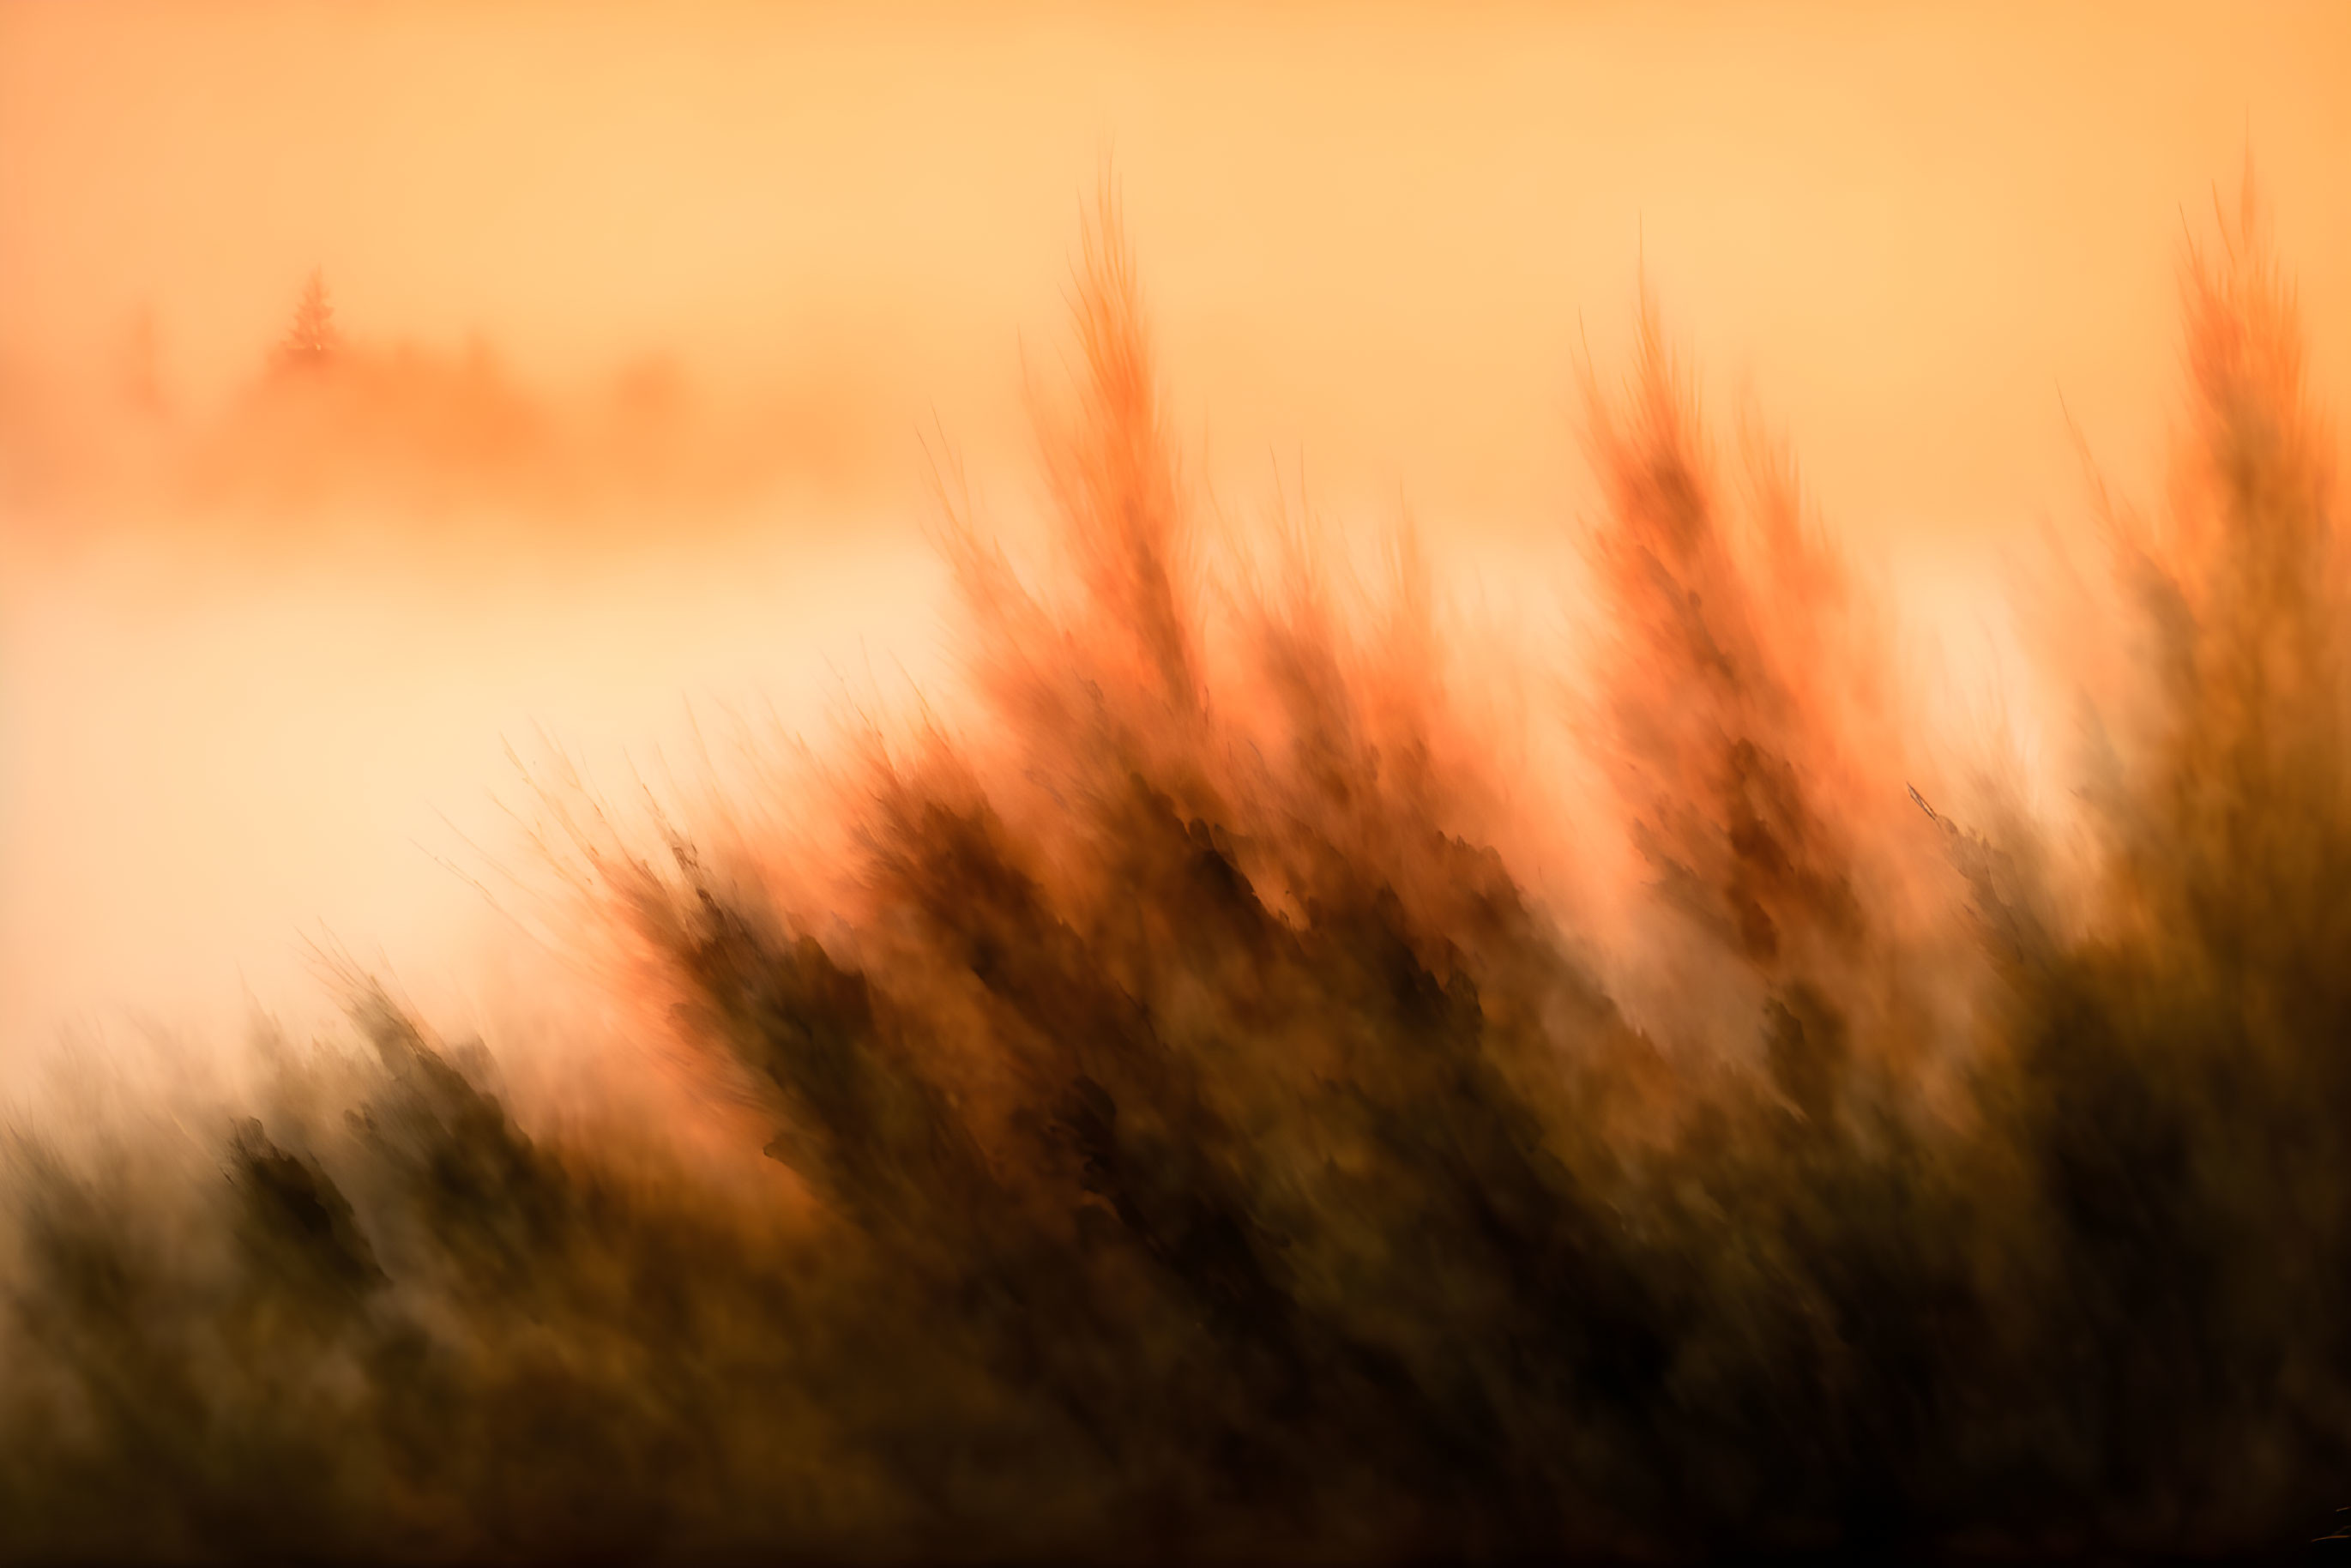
{"x": 1374, "y": 239}
{"x": 1372, "y": 230}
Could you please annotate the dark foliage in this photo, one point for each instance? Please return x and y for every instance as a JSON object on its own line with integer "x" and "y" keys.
{"x": 1217, "y": 1150}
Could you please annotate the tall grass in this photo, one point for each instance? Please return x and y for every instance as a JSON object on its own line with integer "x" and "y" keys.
{"x": 1216, "y": 1137}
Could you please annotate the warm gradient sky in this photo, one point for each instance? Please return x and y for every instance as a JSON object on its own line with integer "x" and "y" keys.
{"x": 1375, "y": 240}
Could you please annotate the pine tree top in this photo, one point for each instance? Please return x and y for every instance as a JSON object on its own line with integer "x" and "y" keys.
{"x": 312, "y": 339}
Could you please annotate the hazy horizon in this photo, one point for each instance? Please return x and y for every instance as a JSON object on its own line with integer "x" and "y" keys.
{"x": 1913, "y": 243}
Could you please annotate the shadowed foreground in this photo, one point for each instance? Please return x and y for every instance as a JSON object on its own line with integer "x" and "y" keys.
{"x": 1221, "y": 1136}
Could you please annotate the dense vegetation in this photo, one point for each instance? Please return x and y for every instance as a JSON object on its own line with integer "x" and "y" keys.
{"x": 1222, "y": 1136}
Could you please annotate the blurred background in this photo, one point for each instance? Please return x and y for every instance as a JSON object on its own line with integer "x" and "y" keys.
{"x": 655, "y": 324}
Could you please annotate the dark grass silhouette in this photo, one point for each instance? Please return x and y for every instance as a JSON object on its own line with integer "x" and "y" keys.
{"x": 1215, "y": 1148}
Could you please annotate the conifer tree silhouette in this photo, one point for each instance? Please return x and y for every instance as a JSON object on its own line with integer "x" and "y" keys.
{"x": 311, "y": 342}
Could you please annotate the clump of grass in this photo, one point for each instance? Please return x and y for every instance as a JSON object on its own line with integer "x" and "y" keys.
{"x": 1216, "y": 1144}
